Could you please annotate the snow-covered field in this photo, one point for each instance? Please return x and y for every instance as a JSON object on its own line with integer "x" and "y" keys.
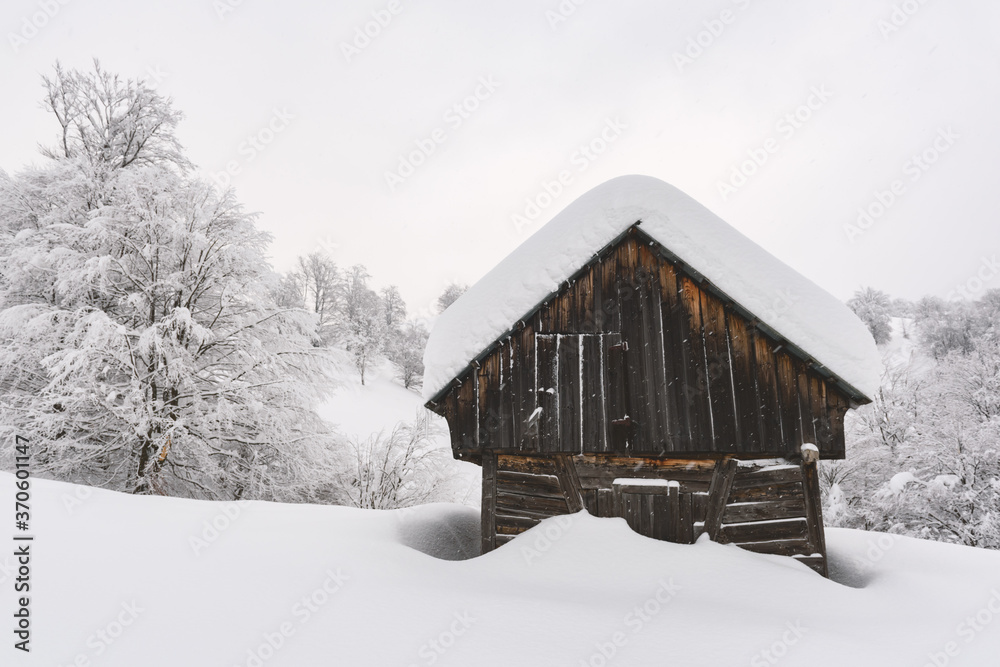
{"x": 129, "y": 581}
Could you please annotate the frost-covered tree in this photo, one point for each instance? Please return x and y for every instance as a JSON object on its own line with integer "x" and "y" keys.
{"x": 924, "y": 458}
{"x": 393, "y": 307}
{"x": 407, "y": 352}
{"x": 141, "y": 346}
{"x": 450, "y": 295}
{"x": 872, "y": 307}
{"x": 401, "y": 468}
{"x": 363, "y": 330}
{"x": 955, "y": 326}
{"x": 322, "y": 285}
{"x": 109, "y": 122}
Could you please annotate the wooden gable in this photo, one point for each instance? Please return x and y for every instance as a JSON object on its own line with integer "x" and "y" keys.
{"x": 637, "y": 356}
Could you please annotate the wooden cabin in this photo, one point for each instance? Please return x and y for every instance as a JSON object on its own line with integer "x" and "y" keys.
{"x": 640, "y": 386}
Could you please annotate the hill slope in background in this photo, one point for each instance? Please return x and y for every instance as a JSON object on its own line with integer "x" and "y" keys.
{"x": 363, "y": 411}
{"x": 122, "y": 580}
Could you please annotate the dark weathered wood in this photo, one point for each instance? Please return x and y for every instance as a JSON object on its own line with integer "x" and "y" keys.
{"x": 490, "y": 412}
{"x": 605, "y": 503}
{"x": 760, "y": 531}
{"x": 771, "y": 435}
{"x": 534, "y": 465}
{"x": 819, "y": 414}
{"x": 508, "y": 524}
{"x": 720, "y": 379}
{"x": 528, "y": 485}
{"x": 648, "y": 387}
{"x": 699, "y": 511}
{"x": 686, "y": 534}
{"x": 546, "y": 389}
{"x": 468, "y": 394}
{"x": 489, "y": 506}
{"x": 594, "y": 429}
{"x": 764, "y": 510}
{"x": 515, "y": 503}
{"x": 601, "y": 471}
{"x": 747, "y": 400}
{"x": 569, "y": 482}
{"x": 506, "y": 438}
{"x": 591, "y": 464}
{"x": 805, "y": 403}
{"x": 571, "y": 393}
{"x": 837, "y": 407}
{"x": 788, "y": 391}
{"x": 814, "y": 510}
{"x": 673, "y": 517}
{"x": 504, "y": 539}
{"x": 694, "y": 369}
{"x": 525, "y": 397}
{"x": 788, "y": 491}
{"x": 666, "y": 303}
{"x": 619, "y": 416}
{"x": 718, "y": 496}
{"x": 785, "y": 474}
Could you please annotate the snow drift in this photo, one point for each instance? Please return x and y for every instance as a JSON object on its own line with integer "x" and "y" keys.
{"x": 120, "y": 581}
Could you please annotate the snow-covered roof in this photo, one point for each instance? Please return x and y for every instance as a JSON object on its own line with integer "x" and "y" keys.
{"x": 793, "y": 306}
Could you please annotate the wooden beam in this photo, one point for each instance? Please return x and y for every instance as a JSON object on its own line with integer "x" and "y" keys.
{"x": 718, "y": 495}
{"x": 569, "y": 480}
{"x": 814, "y": 509}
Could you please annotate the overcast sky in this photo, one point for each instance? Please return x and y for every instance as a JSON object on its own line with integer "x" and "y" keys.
{"x": 839, "y": 103}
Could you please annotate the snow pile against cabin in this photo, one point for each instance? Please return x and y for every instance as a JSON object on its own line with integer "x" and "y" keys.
{"x": 254, "y": 584}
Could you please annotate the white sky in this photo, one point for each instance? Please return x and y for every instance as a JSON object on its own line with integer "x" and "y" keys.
{"x": 321, "y": 182}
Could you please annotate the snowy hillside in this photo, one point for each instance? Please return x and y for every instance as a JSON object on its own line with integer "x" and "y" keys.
{"x": 364, "y": 411}
{"x": 123, "y": 581}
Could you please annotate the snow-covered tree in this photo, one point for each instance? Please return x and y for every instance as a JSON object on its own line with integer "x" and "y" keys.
{"x": 407, "y": 352}
{"x": 141, "y": 347}
{"x": 363, "y": 329}
{"x": 322, "y": 287}
{"x": 872, "y": 307}
{"x": 394, "y": 308}
{"x": 450, "y": 295}
{"x": 401, "y": 468}
{"x": 924, "y": 458}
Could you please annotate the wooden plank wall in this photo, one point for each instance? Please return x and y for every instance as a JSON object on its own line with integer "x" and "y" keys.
{"x": 765, "y": 509}
{"x": 635, "y": 357}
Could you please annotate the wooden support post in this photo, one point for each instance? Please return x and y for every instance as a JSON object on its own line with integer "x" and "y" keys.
{"x": 814, "y": 508}
{"x": 718, "y": 495}
{"x": 569, "y": 481}
{"x": 489, "y": 532}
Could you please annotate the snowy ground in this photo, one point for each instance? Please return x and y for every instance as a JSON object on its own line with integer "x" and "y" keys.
{"x": 360, "y": 410}
{"x": 131, "y": 581}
